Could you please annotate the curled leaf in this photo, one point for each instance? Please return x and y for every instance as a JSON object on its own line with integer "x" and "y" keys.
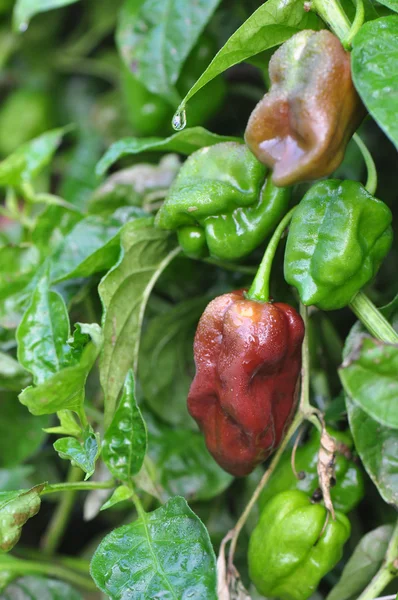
{"x": 326, "y": 467}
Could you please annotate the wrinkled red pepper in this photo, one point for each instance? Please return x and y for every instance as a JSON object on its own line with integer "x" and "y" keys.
{"x": 243, "y": 396}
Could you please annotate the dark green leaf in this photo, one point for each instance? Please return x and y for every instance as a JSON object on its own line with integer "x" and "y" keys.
{"x": 166, "y": 553}
{"x": 82, "y": 453}
{"x": 183, "y": 464}
{"x": 272, "y": 24}
{"x": 21, "y": 434}
{"x": 155, "y": 38}
{"x": 378, "y": 448}
{"x": 124, "y": 292}
{"x": 12, "y": 375}
{"x": 125, "y": 440}
{"x": 370, "y": 378}
{"x": 166, "y": 364}
{"x": 27, "y": 162}
{"x": 392, "y": 4}
{"x": 375, "y": 71}
{"x": 184, "y": 142}
{"x": 15, "y": 509}
{"x": 363, "y": 564}
{"x": 65, "y": 389}
{"x": 38, "y": 588}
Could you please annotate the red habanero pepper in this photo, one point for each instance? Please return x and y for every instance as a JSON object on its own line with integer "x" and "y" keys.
{"x": 243, "y": 396}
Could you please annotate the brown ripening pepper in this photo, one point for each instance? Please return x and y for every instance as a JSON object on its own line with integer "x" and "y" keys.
{"x": 303, "y": 124}
{"x": 243, "y": 396}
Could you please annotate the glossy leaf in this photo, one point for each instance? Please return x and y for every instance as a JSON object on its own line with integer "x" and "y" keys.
{"x": 82, "y": 454}
{"x": 184, "y": 142}
{"x": 183, "y": 464}
{"x": 378, "y": 448}
{"x": 38, "y": 588}
{"x": 15, "y": 509}
{"x": 51, "y": 226}
{"x": 155, "y": 38}
{"x": 120, "y": 494}
{"x": 165, "y": 553}
{"x": 125, "y": 440}
{"x": 21, "y": 434}
{"x": 272, "y": 24}
{"x": 370, "y": 378}
{"x": 65, "y": 389}
{"x": 392, "y": 4}
{"x": 363, "y": 564}
{"x": 30, "y": 158}
{"x": 166, "y": 364}
{"x": 375, "y": 71}
{"x": 12, "y": 375}
{"x": 124, "y": 292}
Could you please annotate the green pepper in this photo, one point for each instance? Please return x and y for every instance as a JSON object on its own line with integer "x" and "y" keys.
{"x": 349, "y": 488}
{"x": 150, "y": 114}
{"x": 337, "y": 240}
{"x": 222, "y": 200}
{"x": 291, "y": 549}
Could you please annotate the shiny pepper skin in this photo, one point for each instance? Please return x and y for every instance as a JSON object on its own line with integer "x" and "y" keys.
{"x": 290, "y": 549}
{"x": 349, "y": 487}
{"x": 243, "y": 396}
{"x": 303, "y": 124}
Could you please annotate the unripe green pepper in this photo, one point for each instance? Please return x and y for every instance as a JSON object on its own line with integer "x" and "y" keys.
{"x": 337, "y": 240}
{"x": 222, "y": 200}
{"x": 349, "y": 488}
{"x": 290, "y": 549}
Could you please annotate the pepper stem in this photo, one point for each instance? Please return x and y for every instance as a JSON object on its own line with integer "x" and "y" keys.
{"x": 371, "y": 183}
{"x": 259, "y": 289}
{"x": 356, "y": 24}
{"x": 372, "y": 318}
{"x": 333, "y": 14}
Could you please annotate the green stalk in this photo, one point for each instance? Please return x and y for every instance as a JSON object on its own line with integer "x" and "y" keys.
{"x": 259, "y": 289}
{"x": 333, "y": 14}
{"x": 371, "y": 183}
{"x": 356, "y": 24}
{"x": 387, "y": 572}
{"x": 372, "y": 318}
{"x": 84, "y": 486}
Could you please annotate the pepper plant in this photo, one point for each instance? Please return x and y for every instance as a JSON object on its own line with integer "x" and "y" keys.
{"x": 198, "y": 300}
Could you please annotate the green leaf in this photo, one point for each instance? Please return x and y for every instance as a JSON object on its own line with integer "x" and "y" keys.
{"x": 378, "y": 448}
{"x": 15, "y": 509}
{"x": 183, "y": 464}
{"x": 166, "y": 365}
{"x": 392, "y": 4}
{"x": 39, "y": 588}
{"x": 155, "y": 38}
{"x": 82, "y": 454}
{"x": 68, "y": 425}
{"x": 30, "y": 158}
{"x": 375, "y": 71}
{"x": 65, "y": 389}
{"x": 370, "y": 378}
{"x": 21, "y": 434}
{"x": 166, "y": 553}
{"x": 184, "y": 142}
{"x": 125, "y": 440}
{"x": 43, "y": 332}
{"x": 272, "y": 24}
{"x": 51, "y": 226}
{"x": 124, "y": 292}
{"x": 12, "y": 375}
{"x": 363, "y": 564}
{"x": 120, "y": 494}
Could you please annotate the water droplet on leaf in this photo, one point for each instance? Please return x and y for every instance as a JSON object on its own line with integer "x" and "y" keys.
{"x": 23, "y": 27}
{"x": 179, "y": 120}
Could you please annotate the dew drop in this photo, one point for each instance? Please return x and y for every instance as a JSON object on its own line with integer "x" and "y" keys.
{"x": 23, "y": 27}
{"x": 179, "y": 120}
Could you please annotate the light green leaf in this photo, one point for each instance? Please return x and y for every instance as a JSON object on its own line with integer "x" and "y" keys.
{"x": 38, "y": 588}
{"x": 363, "y": 564}
{"x": 12, "y": 375}
{"x": 184, "y": 142}
{"x": 272, "y": 24}
{"x": 378, "y": 448}
{"x": 82, "y": 454}
{"x": 30, "y": 158}
{"x": 124, "y": 292}
{"x": 120, "y": 494}
{"x": 65, "y": 389}
{"x": 165, "y": 553}
{"x": 370, "y": 378}
{"x": 125, "y": 440}
{"x": 166, "y": 364}
{"x": 15, "y": 509}
{"x": 155, "y": 38}
{"x": 68, "y": 425}
{"x": 375, "y": 71}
